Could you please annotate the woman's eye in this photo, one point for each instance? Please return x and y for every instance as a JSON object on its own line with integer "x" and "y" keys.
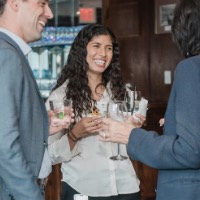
{"x": 110, "y": 48}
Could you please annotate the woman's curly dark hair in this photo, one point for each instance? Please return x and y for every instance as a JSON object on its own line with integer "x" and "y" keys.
{"x": 186, "y": 27}
{"x": 76, "y": 68}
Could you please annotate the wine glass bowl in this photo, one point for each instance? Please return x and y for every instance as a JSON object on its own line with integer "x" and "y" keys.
{"x": 117, "y": 110}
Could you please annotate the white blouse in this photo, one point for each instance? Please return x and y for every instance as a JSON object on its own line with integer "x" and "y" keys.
{"x": 88, "y": 167}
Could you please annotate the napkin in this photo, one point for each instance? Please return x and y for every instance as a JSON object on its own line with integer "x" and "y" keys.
{"x": 143, "y": 107}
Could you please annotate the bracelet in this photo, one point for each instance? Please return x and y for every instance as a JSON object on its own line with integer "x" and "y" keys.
{"x": 69, "y": 135}
{"x": 73, "y": 137}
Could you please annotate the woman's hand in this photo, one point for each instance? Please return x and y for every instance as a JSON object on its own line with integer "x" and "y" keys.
{"x": 87, "y": 126}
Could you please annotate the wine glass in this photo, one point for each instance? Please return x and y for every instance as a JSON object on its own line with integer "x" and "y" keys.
{"x": 132, "y": 100}
{"x": 129, "y": 101}
{"x": 137, "y": 99}
{"x": 117, "y": 110}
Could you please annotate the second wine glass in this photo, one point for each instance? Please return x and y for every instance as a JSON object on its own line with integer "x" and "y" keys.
{"x": 132, "y": 99}
{"x": 117, "y": 110}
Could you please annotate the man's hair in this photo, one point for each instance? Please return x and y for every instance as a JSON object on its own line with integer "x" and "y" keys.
{"x": 2, "y": 6}
{"x": 186, "y": 27}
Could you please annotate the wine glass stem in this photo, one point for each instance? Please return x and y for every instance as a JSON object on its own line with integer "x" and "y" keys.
{"x": 118, "y": 150}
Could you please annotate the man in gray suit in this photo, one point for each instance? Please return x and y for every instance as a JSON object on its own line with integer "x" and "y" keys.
{"x": 23, "y": 118}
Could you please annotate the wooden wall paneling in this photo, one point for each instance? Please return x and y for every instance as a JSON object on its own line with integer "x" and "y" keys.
{"x": 123, "y": 13}
{"x": 133, "y": 64}
{"x": 53, "y": 188}
{"x": 148, "y": 180}
{"x": 164, "y": 55}
{"x": 126, "y": 21}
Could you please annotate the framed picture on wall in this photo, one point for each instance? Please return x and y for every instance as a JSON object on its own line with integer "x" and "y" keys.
{"x": 164, "y": 13}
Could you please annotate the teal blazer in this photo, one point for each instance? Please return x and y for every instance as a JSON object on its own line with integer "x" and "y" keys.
{"x": 176, "y": 153}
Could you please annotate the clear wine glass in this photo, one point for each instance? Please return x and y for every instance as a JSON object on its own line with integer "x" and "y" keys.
{"x": 117, "y": 110}
{"x": 129, "y": 101}
{"x": 137, "y": 99}
{"x": 132, "y": 99}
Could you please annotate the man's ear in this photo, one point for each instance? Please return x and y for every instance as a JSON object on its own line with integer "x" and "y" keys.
{"x": 14, "y": 4}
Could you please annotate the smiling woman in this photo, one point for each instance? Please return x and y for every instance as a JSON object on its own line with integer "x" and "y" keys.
{"x": 99, "y": 54}
{"x": 91, "y": 78}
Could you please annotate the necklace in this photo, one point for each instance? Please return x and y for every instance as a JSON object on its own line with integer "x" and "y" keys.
{"x": 98, "y": 93}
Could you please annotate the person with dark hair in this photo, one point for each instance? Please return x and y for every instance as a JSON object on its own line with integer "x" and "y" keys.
{"x": 24, "y": 125}
{"x": 176, "y": 153}
{"x": 91, "y": 78}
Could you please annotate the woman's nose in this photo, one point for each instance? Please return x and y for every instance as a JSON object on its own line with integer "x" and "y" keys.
{"x": 102, "y": 51}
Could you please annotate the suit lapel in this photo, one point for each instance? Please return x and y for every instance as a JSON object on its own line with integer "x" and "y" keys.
{"x": 27, "y": 65}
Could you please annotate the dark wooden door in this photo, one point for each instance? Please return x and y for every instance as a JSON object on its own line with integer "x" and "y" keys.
{"x": 53, "y": 189}
{"x": 126, "y": 21}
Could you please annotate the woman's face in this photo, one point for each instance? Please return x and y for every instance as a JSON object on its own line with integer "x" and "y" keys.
{"x": 99, "y": 53}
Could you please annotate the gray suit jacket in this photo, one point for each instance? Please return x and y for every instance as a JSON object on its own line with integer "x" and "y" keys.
{"x": 23, "y": 124}
{"x": 177, "y": 152}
